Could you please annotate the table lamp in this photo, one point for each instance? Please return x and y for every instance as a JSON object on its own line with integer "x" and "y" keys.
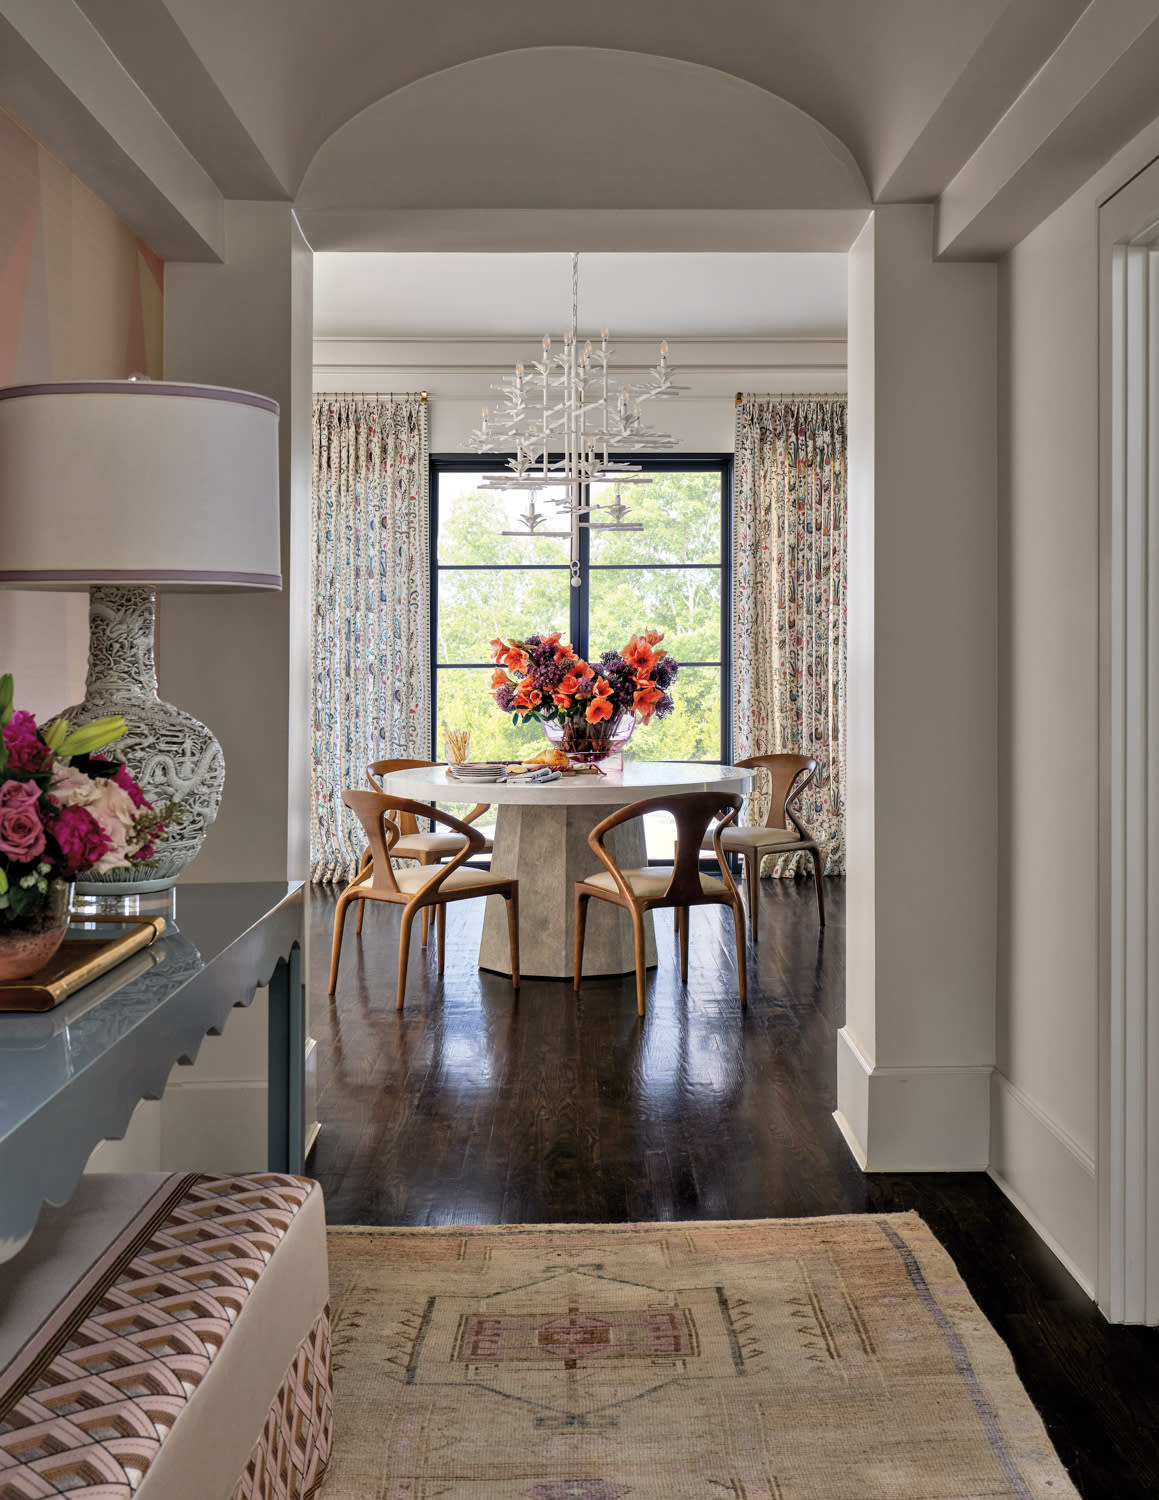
{"x": 125, "y": 488}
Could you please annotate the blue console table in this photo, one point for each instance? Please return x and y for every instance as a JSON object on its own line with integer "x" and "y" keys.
{"x": 72, "y": 1077}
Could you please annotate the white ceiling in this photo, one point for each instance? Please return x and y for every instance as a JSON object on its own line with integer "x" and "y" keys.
{"x": 288, "y": 73}
{"x": 611, "y": 126}
{"x": 666, "y": 295}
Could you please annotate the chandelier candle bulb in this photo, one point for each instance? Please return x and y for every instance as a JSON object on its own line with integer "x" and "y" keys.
{"x": 571, "y": 447}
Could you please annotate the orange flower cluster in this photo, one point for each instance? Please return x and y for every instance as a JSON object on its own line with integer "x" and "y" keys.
{"x": 642, "y": 656}
{"x": 543, "y": 678}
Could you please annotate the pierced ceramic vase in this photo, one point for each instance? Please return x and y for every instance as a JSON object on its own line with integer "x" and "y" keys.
{"x": 173, "y": 756}
{"x": 28, "y": 944}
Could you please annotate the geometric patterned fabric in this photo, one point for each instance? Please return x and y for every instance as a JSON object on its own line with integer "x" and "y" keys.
{"x": 289, "y": 1461}
{"x": 88, "y": 1403}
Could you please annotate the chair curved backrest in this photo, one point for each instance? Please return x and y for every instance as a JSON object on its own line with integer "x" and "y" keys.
{"x": 377, "y": 769}
{"x": 785, "y": 771}
{"x": 693, "y": 812}
{"x": 381, "y": 817}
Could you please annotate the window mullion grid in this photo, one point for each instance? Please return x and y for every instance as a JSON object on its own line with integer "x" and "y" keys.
{"x": 580, "y": 598}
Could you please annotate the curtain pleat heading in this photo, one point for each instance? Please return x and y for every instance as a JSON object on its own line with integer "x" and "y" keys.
{"x": 789, "y": 620}
{"x": 371, "y": 602}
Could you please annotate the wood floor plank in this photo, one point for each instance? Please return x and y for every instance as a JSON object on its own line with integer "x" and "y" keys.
{"x": 474, "y": 1105}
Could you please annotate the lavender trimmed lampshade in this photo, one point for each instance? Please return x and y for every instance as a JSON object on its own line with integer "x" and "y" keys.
{"x": 126, "y": 488}
{"x": 138, "y": 482}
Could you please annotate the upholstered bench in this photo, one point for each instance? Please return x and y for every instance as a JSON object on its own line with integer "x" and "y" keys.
{"x": 166, "y": 1337}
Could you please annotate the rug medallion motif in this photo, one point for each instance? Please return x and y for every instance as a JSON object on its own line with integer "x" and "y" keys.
{"x": 810, "y": 1359}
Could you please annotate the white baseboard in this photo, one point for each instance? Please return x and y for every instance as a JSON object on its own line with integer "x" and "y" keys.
{"x": 912, "y": 1119}
{"x": 1048, "y": 1177}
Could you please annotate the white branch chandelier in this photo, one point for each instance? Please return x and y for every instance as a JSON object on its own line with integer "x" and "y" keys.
{"x": 561, "y": 422}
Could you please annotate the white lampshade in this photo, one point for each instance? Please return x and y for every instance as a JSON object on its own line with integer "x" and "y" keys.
{"x": 139, "y": 483}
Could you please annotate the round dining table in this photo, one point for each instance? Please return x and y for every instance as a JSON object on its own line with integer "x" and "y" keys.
{"x": 541, "y": 838}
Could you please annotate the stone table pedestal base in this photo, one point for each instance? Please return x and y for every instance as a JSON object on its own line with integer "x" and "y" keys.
{"x": 546, "y": 849}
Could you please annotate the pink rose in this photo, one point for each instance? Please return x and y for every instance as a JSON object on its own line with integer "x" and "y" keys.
{"x": 81, "y": 838}
{"x": 70, "y": 787}
{"x": 26, "y": 750}
{"x": 114, "y": 811}
{"x": 21, "y": 831}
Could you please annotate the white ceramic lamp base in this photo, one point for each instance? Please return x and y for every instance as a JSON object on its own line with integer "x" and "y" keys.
{"x": 173, "y": 756}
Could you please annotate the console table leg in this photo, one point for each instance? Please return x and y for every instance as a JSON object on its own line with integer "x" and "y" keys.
{"x": 287, "y": 1052}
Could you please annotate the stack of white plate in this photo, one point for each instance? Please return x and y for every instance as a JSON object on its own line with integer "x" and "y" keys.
{"x": 479, "y": 770}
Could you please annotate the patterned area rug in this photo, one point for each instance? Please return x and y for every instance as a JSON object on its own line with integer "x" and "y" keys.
{"x": 799, "y": 1359}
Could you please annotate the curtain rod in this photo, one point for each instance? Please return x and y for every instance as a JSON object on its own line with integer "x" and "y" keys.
{"x": 366, "y": 395}
{"x": 792, "y": 396}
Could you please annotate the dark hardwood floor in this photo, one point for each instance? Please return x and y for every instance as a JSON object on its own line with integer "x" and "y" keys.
{"x": 477, "y": 1107}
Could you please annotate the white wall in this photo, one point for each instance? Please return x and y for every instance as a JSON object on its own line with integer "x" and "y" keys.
{"x": 238, "y": 663}
{"x": 1045, "y": 1094}
{"x": 915, "y": 1054}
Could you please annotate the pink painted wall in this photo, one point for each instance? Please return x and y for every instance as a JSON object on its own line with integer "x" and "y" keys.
{"x": 81, "y": 298}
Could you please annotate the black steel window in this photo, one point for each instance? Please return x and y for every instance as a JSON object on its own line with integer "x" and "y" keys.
{"x": 672, "y": 575}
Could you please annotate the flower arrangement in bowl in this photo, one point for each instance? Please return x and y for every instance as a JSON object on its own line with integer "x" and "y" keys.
{"x": 587, "y": 711}
{"x": 64, "y": 810}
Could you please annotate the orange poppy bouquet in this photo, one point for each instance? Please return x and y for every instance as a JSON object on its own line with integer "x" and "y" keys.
{"x": 542, "y": 678}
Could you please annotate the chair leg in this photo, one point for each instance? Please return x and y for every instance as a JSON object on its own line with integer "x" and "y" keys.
{"x": 441, "y": 932}
{"x": 366, "y": 865}
{"x": 581, "y": 922}
{"x": 741, "y": 963}
{"x": 682, "y": 915}
{"x": 336, "y": 951}
{"x": 752, "y": 871}
{"x": 403, "y": 952}
{"x": 513, "y": 934}
{"x": 819, "y": 878}
{"x": 675, "y": 919}
{"x": 641, "y": 972}
{"x": 425, "y": 925}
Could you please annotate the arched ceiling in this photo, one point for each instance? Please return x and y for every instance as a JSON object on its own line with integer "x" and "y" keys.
{"x": 293, "y": 71}
{"x": 992, "y": 109}
{"x": 568, "y": 129}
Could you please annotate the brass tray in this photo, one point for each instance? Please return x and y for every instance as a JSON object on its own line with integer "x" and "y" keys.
{"x": 78, "y": 961}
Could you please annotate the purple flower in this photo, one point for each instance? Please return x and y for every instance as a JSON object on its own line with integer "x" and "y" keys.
{"x": 21, "y": 831}
{"x": 665, "y": 673}
{"x": 26, "y": 750}
{"x": 81, "y": 838}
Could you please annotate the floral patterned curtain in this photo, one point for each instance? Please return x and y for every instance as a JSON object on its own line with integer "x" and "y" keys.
{"x": 371, "y": 591}
{"x": 789, "y": 622}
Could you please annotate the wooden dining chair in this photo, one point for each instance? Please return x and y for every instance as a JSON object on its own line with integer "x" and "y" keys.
{"x": 422, "y": 888}
{"x": 426, "y": 848}
{"x": 782, "y": 832}
{"x": 681, "y": 886}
